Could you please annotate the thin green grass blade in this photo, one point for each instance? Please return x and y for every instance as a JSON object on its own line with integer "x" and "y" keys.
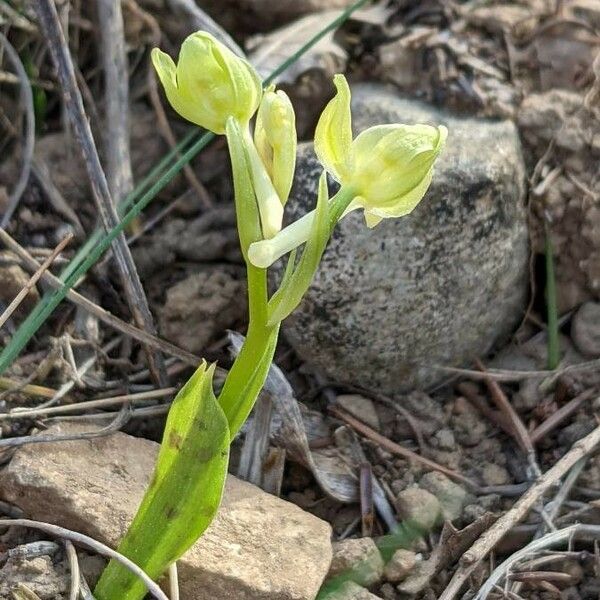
{"x": 43, "y": 310}
{"x": 185, "y": 492}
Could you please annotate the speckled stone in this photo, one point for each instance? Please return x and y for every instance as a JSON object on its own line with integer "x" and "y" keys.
{"x": 437, "y": 287}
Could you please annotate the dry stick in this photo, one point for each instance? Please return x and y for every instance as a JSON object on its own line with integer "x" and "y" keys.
{"x": 30, "y": 389}
{"x": 173, "y": 581}
{"x": 121, "y": 418}
{"x": 116, "y": 98}
{"x": 102, "y": 314}
{"x": 83, "y": 540}
{"x": 27, "y": 101}
{"x": 33, "y": 280}
{"x": 508, "y": 375}
{"x": 482, "y": 406}
{"x": 559, "y": 416}
{"x": 519, "y": 431}
{"x": 367, "y": 432}
{"x": 88, "y": 405}
{"x": 134, "y": 291}
{"x": 74, "y": 568}
{"x": 480, "y": 549}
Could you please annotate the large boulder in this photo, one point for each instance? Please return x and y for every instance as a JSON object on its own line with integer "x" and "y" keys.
{"x": 435, "y": 288}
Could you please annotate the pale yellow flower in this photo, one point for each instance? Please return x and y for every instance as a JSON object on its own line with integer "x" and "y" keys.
{"x": 209, "y": 83}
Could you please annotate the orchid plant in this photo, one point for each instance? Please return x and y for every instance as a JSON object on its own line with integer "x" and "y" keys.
{"x": 385, "y": 171}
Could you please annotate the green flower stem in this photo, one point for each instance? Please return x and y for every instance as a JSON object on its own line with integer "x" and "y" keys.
{"x": 266, "y": 252}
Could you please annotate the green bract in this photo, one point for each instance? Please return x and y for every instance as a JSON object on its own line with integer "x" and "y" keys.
{"x": 209, "y": 83}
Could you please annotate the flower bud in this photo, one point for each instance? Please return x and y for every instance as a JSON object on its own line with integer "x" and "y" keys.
{"x": 275, "y": 139}
{"x": 209, "y": 83}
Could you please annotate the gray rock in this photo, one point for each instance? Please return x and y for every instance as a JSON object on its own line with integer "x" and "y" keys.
{"x": 419, "y": 508}
{"x": 360, "y": 407}
{"x": 400, "y": 565}
{"x": 585, "y": 329}
{"x": 257, "y": 548}
{"x": 437, "y": 287}
{"x": 357, "y": 560}
{"x": 351, "y": 591}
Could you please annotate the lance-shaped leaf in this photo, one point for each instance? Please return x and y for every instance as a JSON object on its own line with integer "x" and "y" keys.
{"x": 294, "y": 286}
{"x": 185, "y": 491}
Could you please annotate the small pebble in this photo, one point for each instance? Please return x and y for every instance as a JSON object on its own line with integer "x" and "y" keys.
{"x": 357, "y": 559}
{"x": 399, "y": 566}
{"x": 419, "y": 507}
{"x": 585, "y": 329}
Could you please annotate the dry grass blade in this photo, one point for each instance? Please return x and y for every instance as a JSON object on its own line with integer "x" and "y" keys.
{"x": 116, "y": 424}
{"x": 134, "y": 291}
{"x": 92, "y": 544}
{"x": 89, "y": 405}
{"x": 74, "y": 568}
{"x": 518, "y": 430}
{"x": 27, "y": 101}
{"x": 116, "y": 95}
{"x": 10, "y": 309}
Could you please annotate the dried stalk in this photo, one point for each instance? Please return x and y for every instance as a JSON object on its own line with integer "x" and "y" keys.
{"x": 134, "y": 291}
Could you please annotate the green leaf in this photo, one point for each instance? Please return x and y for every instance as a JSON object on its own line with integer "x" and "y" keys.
{"x": 294, "y": 286}
{"x": 185, "y": 491}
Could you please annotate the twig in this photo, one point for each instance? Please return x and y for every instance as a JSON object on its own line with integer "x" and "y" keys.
{"x": 480, "y": 549}
{"x": 114, "y": 426}
{"x": 74, "y": 568}
{"x": 27, "y": 101}
{"x": 10, "y": 309}
{"x": 519, "y": 431}
{"x": 367, "y": 511}
{"x": 136, "y": 299}
{"x": 173, "y": 581}
{"x": 376, "y": 437}
{"x": 116, "y": 98}
{"x": 508, "y": 375}
{"x": 83, "y": 540}
{"x": 102, "y": 314}
{"x": 29, "y": 389}
{"x": 564, "y": 412}
{"x": 84, "y": 406}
